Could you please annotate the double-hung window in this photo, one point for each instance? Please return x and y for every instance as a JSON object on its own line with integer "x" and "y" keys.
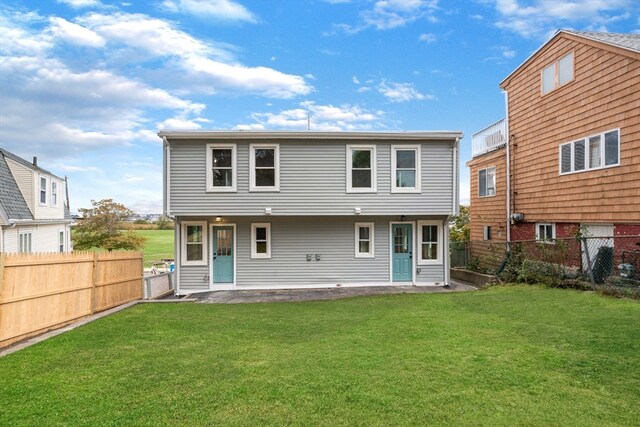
{"x": 487, "y": 182}
{"x": 557, "y": 74}
{"x": 54, "y": 193}
{"x": 364, "y": 242}
{"x": 593, "y": 152}
{"x": 486, "y": 232}
{"x": 25, "y": 239}
{"x": 361, "y": 168}
{"x": 194, "y": 248}
{"x": 545, "y": 232}
{"x": 221, "y": 167}
{"x": 43, "y": 190}
{"x": 261, "y": 240}
{"x": 264, "y": 167}
{"x": 61, "y": 240}
{"x": 429, "y": 242}
{"x": 405, "y": 169}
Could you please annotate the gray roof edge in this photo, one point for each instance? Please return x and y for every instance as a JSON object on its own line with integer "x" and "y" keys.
{"x": 311, "y": 135}
{"x": 27, "y": 164}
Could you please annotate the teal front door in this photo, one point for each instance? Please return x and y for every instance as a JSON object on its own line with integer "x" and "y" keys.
{"x": 222, "y": 254}
{"x": 401, "y": 261}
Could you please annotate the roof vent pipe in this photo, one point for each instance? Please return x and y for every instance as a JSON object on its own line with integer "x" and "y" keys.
{"x": 35, "y": 161}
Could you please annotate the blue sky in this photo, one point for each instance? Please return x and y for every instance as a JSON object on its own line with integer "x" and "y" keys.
{"x": 86, "y": 84}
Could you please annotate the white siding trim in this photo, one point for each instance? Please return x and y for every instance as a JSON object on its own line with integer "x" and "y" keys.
{"x": 254, "y": 249}
{"x": 234, "y": 171}
{"x": 394, "y": 158}
{"x": 374, "y": 174}
{"x": 252, "y": 167}
{"x": 183, "y": 229}
{"x": 438, "y": 260}
{"x": 372, "y": 244}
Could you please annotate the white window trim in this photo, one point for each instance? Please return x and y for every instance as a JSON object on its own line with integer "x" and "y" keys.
{"x": 252, "y": 167}
{"x": 62, "y": 232}
{"x": 254, "y": 249}
{"x": 234, "y": 165}
{"x": 418, "y": 187}
{"x": 29, "y": 233}
{"x": 183, "y": 244}
{"x": 495, "y": 183}
{"x": 556, "y": 74}
{"x": 553, "y": 232}
{"x": 54, "y": 184}
{"x": 46, "y": 190}
{"x": 487, "y": 232}
{"x": 374, "y": 174}
{"x": 587, "y": 153}
{"x": 438, "y": 260}
{"x": 371, "y": 253}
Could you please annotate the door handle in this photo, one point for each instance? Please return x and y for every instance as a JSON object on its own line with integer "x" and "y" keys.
{"x": 214, "y": 257}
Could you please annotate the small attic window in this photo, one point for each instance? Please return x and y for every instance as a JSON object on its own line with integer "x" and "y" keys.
{"x": 557, "y": 74}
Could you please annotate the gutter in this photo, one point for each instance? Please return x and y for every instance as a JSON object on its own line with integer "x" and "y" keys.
{"x": 307, "y": 135}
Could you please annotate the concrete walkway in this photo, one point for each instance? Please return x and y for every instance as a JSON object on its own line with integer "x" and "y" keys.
{"x": 288, "y": 295}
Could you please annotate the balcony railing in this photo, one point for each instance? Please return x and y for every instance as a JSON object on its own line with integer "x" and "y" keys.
{"x": 490, "y": 138}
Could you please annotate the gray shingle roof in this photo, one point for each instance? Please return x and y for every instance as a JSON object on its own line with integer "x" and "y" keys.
{"x": 11, "y": 199}
{"x": 625, "y": 41}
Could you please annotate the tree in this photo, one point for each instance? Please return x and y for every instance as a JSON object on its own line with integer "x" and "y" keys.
{"x": 164, "y": 223}
{"x": 103, "y": 226}
{"x": 459, "y": 227}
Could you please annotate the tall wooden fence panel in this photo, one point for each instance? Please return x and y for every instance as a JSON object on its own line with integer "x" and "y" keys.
{"x": 39, "y": 292}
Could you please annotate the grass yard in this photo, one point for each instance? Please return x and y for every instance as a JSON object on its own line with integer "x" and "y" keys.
{"x": 159, "y": 245}
{"x": 508, "y": 355}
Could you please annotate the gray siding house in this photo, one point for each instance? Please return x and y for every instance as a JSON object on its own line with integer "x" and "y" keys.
{"x": 310, "y": 209}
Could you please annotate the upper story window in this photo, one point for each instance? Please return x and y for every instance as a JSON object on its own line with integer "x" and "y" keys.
{"x": 429, "y": 242}
{"x": 557, "y": 74}
{"x": 593, "y": 152}
{"x": 264, "y": 167}
{"x": 43, "y": 190}
{"x": 487, "y": 182}
{"x": 261, "y": 240}
{"x": 545, "y": 232}
{"x": 194, "y": 250}
{"x": 54, "y": 193}
{"x": 405, "y": 169}
{"x": 364, "y": 240}
{"x": 361, "y": 168}
{"x": 221, "y": 167}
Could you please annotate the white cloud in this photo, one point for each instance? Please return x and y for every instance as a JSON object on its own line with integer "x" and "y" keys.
{"x": 177, "y": 123}
{"x": 77, "y": 4}
{"x": 355, "y": 80}
{"x": 427, "y": 37}
{"x": 390, "y": 14}
{"x": 74, "y": 33}
{"x": 401, "y": 92}
{"x": 228, "y": 10}
{"x": 537, "y": 18}
{"x": 321, "y": 117}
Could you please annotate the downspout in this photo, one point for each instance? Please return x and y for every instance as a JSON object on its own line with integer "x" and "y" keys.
{"x": 455, "y": 200}
{"x": 508, "y": 168}
{"x": 167, "y": 180}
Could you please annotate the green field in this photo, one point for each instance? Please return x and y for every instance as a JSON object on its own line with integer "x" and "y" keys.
{"x": 516, "y": 355}
{"x": 158, "y": 245}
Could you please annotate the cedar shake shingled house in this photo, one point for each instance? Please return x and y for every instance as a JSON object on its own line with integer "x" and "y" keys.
{"x": 34, "y": 215}
{"x": 310, "y": 209}
{"x": 567, "y": 155}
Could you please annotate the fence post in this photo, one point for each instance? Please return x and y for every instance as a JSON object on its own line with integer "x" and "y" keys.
{"x": 94, "y": 280}
{"x": 586, "y": 253}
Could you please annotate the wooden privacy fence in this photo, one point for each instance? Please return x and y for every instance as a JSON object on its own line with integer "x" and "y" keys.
{"x": 39, "y": 292}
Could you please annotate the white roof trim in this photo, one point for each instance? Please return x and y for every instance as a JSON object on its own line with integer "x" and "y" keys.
{"x": 239, "y": 134}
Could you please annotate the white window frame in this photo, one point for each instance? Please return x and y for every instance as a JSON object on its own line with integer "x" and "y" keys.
{"x": 42, "y": 190}
{"x": 54, "y": 193}
{"x": 234, "y": 171}
{"x": 25, "y": 241}
{"x": 183, "y": 245}
{"x": 487, "y": 232}
{"x": 394, "y": 158}
{"x": 544, "y": 239}
{"x": 587, "y": 153}
{"x": 486, "y": 190}
{"x": 254, "y": 241}
{"x": 556, "y": 73}
{"x": 438, "y": 260}
{"x": 62, "y": 241}
{"x": 252, "y": 167}
{"x": 371, "y": 253}
{"x": 374, "y": 175}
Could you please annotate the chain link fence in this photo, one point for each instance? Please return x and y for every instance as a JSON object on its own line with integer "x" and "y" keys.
{"x": 607, "y": 264}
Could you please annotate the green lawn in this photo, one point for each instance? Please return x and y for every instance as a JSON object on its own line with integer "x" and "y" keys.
{"x": 159, "y": 245}
{"x": 509, "y": 355}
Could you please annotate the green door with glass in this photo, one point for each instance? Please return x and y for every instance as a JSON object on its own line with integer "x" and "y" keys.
{"x": 222, "y": 254}
{"x": 401, "y": 253}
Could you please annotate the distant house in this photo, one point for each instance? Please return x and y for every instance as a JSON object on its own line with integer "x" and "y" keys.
{"x": 567, "y": 156}
{"x": 310, "y": 209}
{"x": 34, "y": 216}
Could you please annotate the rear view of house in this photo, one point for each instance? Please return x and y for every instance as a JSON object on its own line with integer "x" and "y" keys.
{"x": 34, "y": 214}
{"x": 310, "y": 209}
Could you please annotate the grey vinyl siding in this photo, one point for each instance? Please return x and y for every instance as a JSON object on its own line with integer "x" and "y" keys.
{"x": 193, "y": 278}
{"x": 312, "y": 182}
{"x": 430, "y": 274}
